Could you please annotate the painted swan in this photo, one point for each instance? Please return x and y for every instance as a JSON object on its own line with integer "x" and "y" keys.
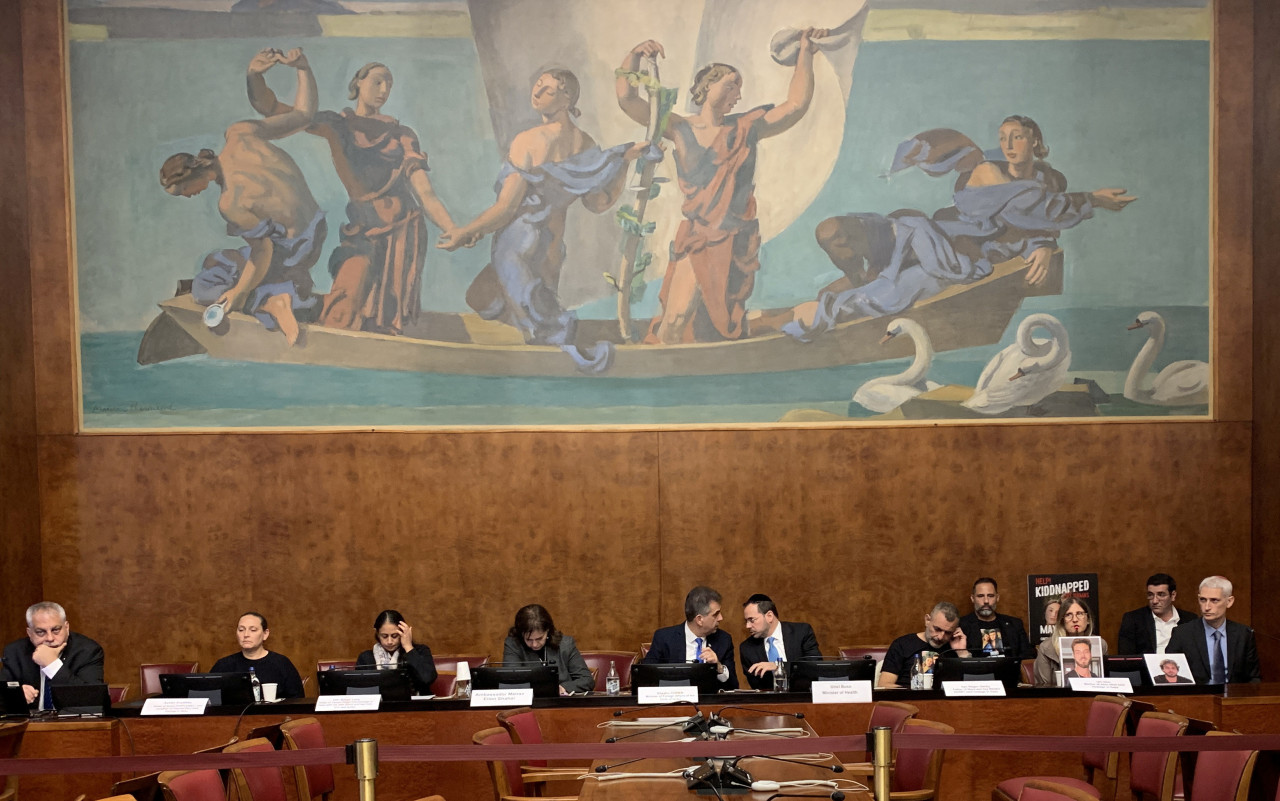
{"x": 887, "y": 393}
{"x": 1027, "y": 371}
{"x": 1182, "y": 383}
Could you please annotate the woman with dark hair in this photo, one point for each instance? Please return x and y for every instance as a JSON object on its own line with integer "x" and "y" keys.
{"x": 1075, "y": 620}
{"x": 534, "y": 638}
{"x": 394, "y": 646}
{"x": 270, "y": 667}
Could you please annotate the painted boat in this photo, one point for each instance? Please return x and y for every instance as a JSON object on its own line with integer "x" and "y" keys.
{"x": 960, "y": 316}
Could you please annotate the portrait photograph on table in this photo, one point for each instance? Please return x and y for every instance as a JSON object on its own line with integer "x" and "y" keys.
{"x": 1081, "y": 658}
{"x": 1169, "y": 669}
{"x": 550, "y": 213}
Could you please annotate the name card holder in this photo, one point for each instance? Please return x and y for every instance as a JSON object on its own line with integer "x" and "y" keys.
{"x": 841, "y": 692}
{"x": 516, "y": 696}
{"x": 666, "y": 695}
{"x": 175, "y": 706}
{"x": 973, "y": 689}
{"x": 364, "y": 702}
{"x": 1098, "y": 685}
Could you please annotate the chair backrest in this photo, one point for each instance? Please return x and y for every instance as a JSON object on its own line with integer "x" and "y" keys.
{"x": 599, "y": 661}
{"x": 335, "y": 664}
{"x": 446, "y": 681}
{"x": 192, "y": 785}
{"x": 149, "y": 673}
{"x": 256, "y": 784}
{"x": 450, "y": 661}
{"x": 644, "y": 649}
{"x": 522, "y": 726}
{"x": 11, "y": 735}
{"x": 855, "y": 652}
{"x": 1222, "y": 775}
{"x": 140, "y": 788}
{"x": 919, "y": 769}
{"x": 1152, "y": 772}
{"x": 1108, "y": 716}
{"x": 269, "y": 732}
{"x": 1043, "y": 790}
{"x": 507, "y": 777}
{"x": 892, "y": 714}
{"x": 118, "y": 692}
{"x": 312, "y": 780}
{"x": 1029, "y": 671}
{"x": 118, "y": 798}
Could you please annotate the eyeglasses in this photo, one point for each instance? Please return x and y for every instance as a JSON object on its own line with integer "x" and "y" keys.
{"x": 1074, "y": 615}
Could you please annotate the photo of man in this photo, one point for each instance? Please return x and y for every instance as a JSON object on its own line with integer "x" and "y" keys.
{"x": 1081, "y": 658}
{"x": 1169, "y": 669}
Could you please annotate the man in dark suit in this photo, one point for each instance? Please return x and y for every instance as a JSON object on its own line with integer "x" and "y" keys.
{"x": 698, "y": 639}
{"x": 984, "y": 620}
{"x": 772, "y": 642}
{"x": 1219, "y": 651}
{"x": 1147, "y": 630}
{"x": 50, "y": 655}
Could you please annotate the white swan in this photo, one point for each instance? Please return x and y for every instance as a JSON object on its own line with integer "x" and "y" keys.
{"x": 1183, "y": 383}
{"x": 1027, "y": 371}
{"x": 886, "y": 393}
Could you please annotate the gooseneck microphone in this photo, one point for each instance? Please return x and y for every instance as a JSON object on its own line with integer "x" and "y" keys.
{"x": 835, "y": 795}
{"x": 832, "y": 768}
{"x": 617, "y": 713}
{"x": 604, "y": 768}
{"x": 796, "y": 715}
{"x": 683, "y": 722}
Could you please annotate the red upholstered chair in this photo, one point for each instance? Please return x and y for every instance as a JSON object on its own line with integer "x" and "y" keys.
{"x": 312, "y": 780}
{"x": 255, "y": 784}
{"x": 917, "y": 772}
{"x": 334, "y": 664}
{"x": 1029, "y": 671}
{"x": 599, "y": 661}
{"x": 445, "y": 683}
{"x": 892, "y": 714}
{"x": 876, "y": 652}
{"x": 510, "y": 783}
{"x": 1222, "y": 775}
{"x": 1039, "y": 790}
{"x": 118, "y": 692}
{"x": 11, "y": 735}
{"x": 1151, "y": 773}
{"x": 192, "y": 785}
{"x": 522, "y": 725}
{"x": 140, "y": 788}
{"x": 149, "y": 674}
{"x": 1108, "y": 715}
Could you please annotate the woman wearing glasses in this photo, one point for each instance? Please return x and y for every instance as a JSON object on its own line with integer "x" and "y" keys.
{"x": 1074, "y": 620}
{"x": 534, "y": 638}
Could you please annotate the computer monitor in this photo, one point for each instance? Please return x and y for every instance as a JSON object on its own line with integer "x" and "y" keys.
{"x": 1133, "y": 668}
{"x": 392, "y": 685}
{"x": 222, "y": 689}
{"x": 542, "y": 678}
{"x": 82, "y": 699}
{"x": 13, "y": 701}
{"x": 804, "y": 672}
{"x": 1004, "y": 669}
{"x": 677, "y": 674}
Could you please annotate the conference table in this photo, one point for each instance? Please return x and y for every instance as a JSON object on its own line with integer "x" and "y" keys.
{"x": 1252, "y": 709}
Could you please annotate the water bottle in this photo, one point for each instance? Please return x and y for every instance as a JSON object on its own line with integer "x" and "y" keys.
{"x": 612, "y": 684}
{"x": 257, "y": 685}
{"x": 781, "y": 679}
{"x": 917, "y": 673}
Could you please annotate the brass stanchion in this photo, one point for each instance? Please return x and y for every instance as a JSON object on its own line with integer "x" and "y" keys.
{"x": 881, "y": 760}
{"x": 364, "y": 755}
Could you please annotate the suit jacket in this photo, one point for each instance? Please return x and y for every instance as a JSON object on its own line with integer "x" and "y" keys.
{"x": 798, "y": 640}
{"x": 81, "y": 662}
{"x": 1242, "y": 652}
{"x": 668, "y": 648}
{"x": 1138, "y": 631}
{"x": 1012, "y": 634}
{"x": 422, "y": 668}
{"x": 573, "y": 671}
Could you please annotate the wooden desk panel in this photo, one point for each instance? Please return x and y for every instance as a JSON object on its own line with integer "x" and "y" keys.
{"x": 69, "y": 738}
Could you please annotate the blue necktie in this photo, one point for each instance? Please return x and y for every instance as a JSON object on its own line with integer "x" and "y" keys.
{"x": 1217, "y": 670}
{"x": 773, "y": 650}
{"x": 697, "y": 649}
{"x": 47, "y": 701}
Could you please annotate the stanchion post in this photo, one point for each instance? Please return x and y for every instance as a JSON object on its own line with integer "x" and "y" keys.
{"x": 881, "y": 761}
{"x": 364, "y": 755}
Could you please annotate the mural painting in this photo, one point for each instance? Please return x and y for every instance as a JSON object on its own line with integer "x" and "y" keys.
{"x": 559, "y": 213}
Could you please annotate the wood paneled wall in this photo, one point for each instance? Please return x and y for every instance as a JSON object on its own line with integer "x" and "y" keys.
{"x": 155, "y": 543}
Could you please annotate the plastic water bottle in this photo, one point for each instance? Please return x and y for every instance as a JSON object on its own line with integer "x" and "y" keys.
{"x": 257, "y": 685}
{"x": 781, "y": 678}
{"x": 917, "y": 673}
{"x": 612, "y": 684}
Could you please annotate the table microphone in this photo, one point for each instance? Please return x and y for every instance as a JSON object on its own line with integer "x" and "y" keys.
{"x": 684, "y": 722}
{"x": 797, "y": 715}
{"x": 603, "y": 768}
{"x": 832, "y": 768}
{"x": 617, "y": 713}
{"x": 835, "y": 795}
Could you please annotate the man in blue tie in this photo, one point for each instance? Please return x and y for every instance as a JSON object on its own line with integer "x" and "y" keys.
{"x": 50, "y": 654}
{"x": 1219, "y": 651}
{"x": 698, "y": 639}
{"x": 772, "y": 642}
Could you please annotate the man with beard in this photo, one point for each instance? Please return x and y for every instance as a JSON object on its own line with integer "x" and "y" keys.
{"x": 772, "y": 642}
{"x": 1147, "y": 630}
{"x": 1000, "y": 635}
{"x": 942, "y": 636}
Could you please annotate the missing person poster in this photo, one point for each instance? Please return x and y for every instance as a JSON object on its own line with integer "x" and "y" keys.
{"x": 1048, "y": 593}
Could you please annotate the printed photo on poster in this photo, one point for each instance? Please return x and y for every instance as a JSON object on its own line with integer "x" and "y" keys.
{"x": 1045, "y": 594}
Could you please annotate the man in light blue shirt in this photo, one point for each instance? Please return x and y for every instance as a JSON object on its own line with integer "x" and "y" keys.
{"x": 1219, "y": 651}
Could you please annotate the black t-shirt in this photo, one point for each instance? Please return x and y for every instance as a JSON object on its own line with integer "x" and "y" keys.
{"x": 272, "y": 668}
{"x": 901, "y": 653}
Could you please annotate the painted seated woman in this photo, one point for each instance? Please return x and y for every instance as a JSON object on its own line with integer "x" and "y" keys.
{"x": 534, "y": 638}
{"x": 548, "y": 168}
{"x": 377, "y": 267}
{"x": 394, "y": 647}
{"x": 1008, "y": 203}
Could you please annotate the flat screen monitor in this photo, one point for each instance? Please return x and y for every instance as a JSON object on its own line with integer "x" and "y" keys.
{"x": 1004, "y": 669}
{"x": 804, "y": 672}
{"x": 392, "y": 685}
{"x": 82, "y": 699}
{"x": 13, "y": 701}
{"x": 1133, "y": 668}
{"x": 677, "y": 674}
{"x": 543, "y": 679}
{"x": 222, "y": 689}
